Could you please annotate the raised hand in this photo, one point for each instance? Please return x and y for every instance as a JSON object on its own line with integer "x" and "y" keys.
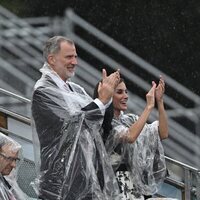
{"x": 160, "y": 89}
{"x": 150, "y": 96}
{"x": 107, "y": 86}
{"x": 163, "y": 122}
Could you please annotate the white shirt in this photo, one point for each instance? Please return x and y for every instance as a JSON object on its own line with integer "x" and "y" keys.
{"x": 64, "y": 86}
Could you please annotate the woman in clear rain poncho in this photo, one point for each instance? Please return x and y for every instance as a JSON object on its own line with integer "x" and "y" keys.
{"x": 70, "y": 154}
{"x": 134, "y": 146}
{"x": 9, "y": 159}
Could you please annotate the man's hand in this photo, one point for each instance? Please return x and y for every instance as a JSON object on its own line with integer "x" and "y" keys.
{"x": 107, "y": 86}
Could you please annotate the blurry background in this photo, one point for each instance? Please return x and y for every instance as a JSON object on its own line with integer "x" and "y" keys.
{"x": 144, "y": 38}
{"x": 112, "y": 34}
{"x": 165, "y": 33}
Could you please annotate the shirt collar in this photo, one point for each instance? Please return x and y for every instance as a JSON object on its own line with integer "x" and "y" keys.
{"x": 46, "y": 69}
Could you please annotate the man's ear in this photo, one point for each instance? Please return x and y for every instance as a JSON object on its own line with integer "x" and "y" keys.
{"x": 51, "y": 59}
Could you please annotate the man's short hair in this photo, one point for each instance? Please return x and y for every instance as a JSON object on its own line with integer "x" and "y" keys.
{"x": 5, "y": 140}
{"x": 53, "y": 45}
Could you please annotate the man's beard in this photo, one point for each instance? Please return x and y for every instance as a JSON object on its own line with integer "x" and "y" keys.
{"x": 70, "y": 74}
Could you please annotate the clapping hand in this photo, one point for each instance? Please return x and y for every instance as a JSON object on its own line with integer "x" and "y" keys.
{"x": 107, "y": 86}
{"x": 150, "y": 96}
{"x": 160, "y": 89}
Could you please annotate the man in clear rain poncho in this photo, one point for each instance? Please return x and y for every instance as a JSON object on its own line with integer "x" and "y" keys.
{"x": 10, "y": 151}
{"x": 70, "y": 154}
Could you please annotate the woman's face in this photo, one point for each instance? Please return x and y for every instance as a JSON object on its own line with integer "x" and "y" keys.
{"x": 120, "y": 98}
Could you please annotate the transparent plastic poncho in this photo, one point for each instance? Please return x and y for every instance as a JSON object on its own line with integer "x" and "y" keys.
{"x": 9, "y": 188}
{"x": 71, "y": 159}
{"x": 144, "y": 159}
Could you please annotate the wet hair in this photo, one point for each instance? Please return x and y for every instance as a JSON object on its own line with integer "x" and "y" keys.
{"x": 121, "y": 80}
{"x": 5, "y": 140}
{"x": 53, "y": 45}
{"x": 109, "y": 114}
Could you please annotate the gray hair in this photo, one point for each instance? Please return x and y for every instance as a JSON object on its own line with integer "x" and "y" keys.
{"x": 53, "y": 45}
{"x": 5, "y": 140}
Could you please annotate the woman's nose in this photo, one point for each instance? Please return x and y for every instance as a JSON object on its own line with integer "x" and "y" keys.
{"x": 125, "y": 95}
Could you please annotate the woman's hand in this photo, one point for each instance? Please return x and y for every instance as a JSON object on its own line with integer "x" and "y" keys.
{"x": 160, "y": 90}
{"x": 150, "y": 96}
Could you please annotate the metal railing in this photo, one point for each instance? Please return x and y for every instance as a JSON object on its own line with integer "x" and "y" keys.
{"x": 24, "y": 42}
{"x": 76, "y": 20}
{"x": 188, "y": 141}
{"x": 188, "y": 180}
{"x": 188, "y": 183}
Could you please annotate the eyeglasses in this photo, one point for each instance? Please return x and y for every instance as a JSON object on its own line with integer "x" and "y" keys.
{"x": 9, "y": 158}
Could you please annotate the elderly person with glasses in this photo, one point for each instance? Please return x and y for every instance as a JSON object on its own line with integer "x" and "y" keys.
{"x": 9, "y": 158}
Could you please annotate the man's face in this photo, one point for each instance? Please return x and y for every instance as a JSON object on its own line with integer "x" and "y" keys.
{"x": 8, "y": 159}
{"x": 65, "y": 61}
